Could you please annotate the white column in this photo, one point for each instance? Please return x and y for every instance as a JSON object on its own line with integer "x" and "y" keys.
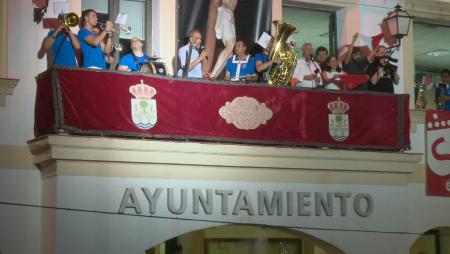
{"x": 164, "y": 31}
{"x": 3, "y": 38}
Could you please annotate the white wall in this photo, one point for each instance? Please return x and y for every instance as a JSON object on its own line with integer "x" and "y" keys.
{"x": 397, "y": 209}
{"x": 25, "y": 37}
{"x": 164, "y": 31}
{"x": 20, "y": 227}
{"x": 418, "y": 140}
{"x": 403, "y": 209}
{"x": 156, "y": 30}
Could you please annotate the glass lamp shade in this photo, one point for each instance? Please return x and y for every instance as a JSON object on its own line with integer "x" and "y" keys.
{"x": 398, "y": 22}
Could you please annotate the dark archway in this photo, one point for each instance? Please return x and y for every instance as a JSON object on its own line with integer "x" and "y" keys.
{"x": 244, "y": 239}
{"x": 433, "y": 241}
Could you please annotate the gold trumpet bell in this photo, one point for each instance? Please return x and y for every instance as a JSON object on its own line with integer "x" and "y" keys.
{"x": 70, "y": 19}
{"x": 281, "y": 74}
{"x": 283, "y": 31}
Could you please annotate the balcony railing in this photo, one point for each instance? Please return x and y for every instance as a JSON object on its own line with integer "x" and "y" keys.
{"x": 92, "y": 102}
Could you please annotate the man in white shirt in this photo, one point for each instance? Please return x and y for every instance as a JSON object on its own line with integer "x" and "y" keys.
{"x": 191, "y": 51}
{"x": 307, "y": 71}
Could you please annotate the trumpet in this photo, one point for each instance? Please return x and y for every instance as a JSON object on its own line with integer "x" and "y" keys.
{"x": 69, "y": 19}
{"x": 116, "y": 28}
{"x": 117, "y": 46}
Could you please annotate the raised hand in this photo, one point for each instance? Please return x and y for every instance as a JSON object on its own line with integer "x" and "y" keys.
{"x": 203, "y": 55}
{"x": 355, "y": 37}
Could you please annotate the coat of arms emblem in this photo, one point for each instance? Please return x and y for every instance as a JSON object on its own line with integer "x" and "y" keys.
{"x": 143, "y": 107}
{"x": 338, "y": 121}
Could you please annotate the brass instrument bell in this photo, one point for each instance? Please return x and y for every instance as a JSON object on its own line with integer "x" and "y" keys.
{"x": 69, "y": 19}
{"x": 281, "y": 74}
{"x": 118, "y": 46}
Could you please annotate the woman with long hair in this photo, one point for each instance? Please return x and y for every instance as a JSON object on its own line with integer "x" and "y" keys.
{"x": 330, "y": 75}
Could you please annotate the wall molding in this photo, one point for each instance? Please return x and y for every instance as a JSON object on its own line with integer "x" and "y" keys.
{"x": 15, "y": 157}
{"x": 417, "y": 117}
{"x": 427, "y": 11}
{"x": 7, "y": 86}
{"x": 102, "y": 156}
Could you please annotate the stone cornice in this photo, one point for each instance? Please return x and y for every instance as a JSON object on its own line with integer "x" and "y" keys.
{"x": 7, "y": 86}
{"x": 439, "y": 11}
{"x": 417, "y": 117}
{"x": 80, "y": 149}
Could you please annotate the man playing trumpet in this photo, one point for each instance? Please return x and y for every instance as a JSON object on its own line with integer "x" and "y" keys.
{"x": 92, "y": 48}
{"x": 60, "y": 46}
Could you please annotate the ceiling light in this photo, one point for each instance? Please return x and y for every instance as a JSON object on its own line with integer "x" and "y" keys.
{"x": 439, "y": 52}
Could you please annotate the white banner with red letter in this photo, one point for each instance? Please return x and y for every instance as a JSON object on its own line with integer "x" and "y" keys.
{"x": 438, "y": 152}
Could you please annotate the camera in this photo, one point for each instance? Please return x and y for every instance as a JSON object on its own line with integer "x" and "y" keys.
{"x": 389, "y": 66}
{"x": 390, "y": 59}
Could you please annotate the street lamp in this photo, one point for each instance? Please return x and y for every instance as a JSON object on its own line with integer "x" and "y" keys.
{"x": 398, "y": 22}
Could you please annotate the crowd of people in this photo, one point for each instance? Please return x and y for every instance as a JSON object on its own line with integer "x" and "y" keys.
{"x": 319, "y": 70}
{"x": 322, "y": 72}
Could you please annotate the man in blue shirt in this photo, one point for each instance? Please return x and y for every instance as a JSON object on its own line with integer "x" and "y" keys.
{"x": 92, "y": 47}
{"x": 134, "y": 60}
{"x": 60, "y": 46}
{"x": 240, "y": 66}
{"x": 262, "y": 64}
{"x": 443, "y": 91}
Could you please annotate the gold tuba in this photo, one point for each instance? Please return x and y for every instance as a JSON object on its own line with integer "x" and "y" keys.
{"x": 69, "y": 19}
{"x": 280, "y": 74}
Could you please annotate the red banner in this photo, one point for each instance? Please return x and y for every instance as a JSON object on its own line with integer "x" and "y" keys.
{"x": 438, "y": 152}
{"x": 111, "y": 103}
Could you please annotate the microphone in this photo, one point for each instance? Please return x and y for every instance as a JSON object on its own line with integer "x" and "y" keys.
{"x": 200, "y": 50}
{"x": 316, "y": 71}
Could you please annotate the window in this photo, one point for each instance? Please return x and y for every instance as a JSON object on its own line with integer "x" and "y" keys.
{"x": 431, "y": 56}
{"x": 316, "y": 27}
{"x": 138, "y": 14}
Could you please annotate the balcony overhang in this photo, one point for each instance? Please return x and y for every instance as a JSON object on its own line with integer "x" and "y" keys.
{"x": 94, "y": 155}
